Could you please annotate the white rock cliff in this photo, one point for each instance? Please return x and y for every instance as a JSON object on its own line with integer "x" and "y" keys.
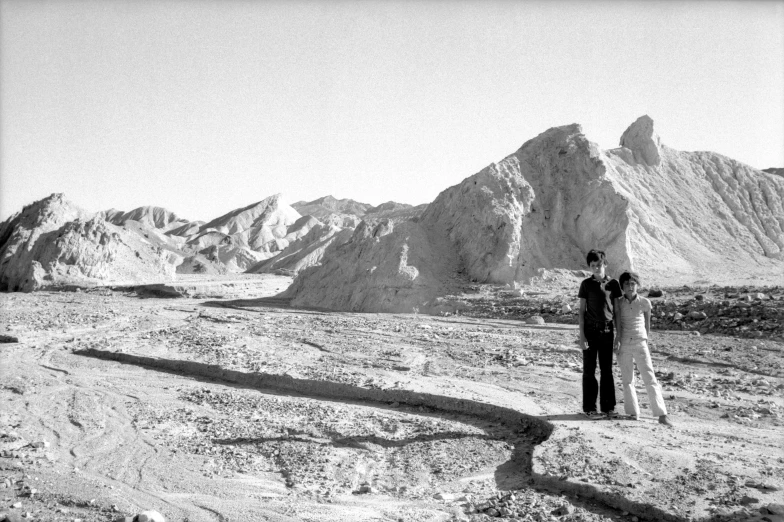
{"x": 673, "y": 216}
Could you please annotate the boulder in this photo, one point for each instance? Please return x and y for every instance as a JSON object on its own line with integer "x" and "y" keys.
{"x": 150, "y": 516}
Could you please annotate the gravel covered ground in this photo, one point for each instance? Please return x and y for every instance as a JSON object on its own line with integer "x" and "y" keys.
{"x": 113, "y": 404}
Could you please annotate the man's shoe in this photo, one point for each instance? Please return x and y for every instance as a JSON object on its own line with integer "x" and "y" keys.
{"x": 611, "y": 414}
{"x": 663, "y": 419}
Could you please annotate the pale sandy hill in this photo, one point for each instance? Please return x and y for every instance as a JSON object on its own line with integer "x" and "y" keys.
{"x": 304, "y": 252}
{"x": 156, "y": 237}
{"x": 224, "y": 259}
{"x": 187, "y": 229}
{"x": 52, "y": 243}
{"x": 389, "y": 206}
{"x": 309, "y": 250}
{"x": 344, "y": 213}
{"x": 270, "y": 212}
{"x": 201, "y": 264}
{"x": 341, "y": 220}
{"x": 396, "y": 211}
{"x": 697, "y": 216}
{"x": 384, "y": 267}
{"x": 209, "y": 238}
{"x": 674, "y": 216}
{"x": 153, "y": 217}
{"x": 22, "y": 235}
{"x": 334, "y": 212}
{"x": 241, "y": 250}
{"x": 325, "y": 206}
{"x": 246, "y": 236}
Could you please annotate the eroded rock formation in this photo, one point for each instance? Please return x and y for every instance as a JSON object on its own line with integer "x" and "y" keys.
{"x": 149, "y": 216}
{"x": 385, "y": 266}
{"x": 305, "y": 251}
{"x": 53, "y": 243}
{"x": 246, "y": 236}
{"x": 671, "y": 215}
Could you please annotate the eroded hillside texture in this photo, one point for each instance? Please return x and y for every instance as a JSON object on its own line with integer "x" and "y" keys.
{"x": 670, "y": 215}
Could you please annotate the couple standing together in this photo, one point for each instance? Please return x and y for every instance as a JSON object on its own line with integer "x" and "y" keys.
{"x": 613, "y": 318}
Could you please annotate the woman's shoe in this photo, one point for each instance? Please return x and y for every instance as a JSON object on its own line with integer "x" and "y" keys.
{"x": 663, "y": 419}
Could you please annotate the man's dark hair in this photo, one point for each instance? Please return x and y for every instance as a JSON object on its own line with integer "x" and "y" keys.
{"x": 595, "y": 255}
{"x": 629, "y": 276}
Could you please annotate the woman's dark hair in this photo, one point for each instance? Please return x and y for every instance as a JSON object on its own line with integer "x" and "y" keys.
{"x": 595, "y": 255}
{"x": 629, "y": 276}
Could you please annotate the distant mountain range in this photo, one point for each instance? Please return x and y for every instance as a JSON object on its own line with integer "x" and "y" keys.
{"x": 675, "y": 217}
{"x": 153, "y": 243}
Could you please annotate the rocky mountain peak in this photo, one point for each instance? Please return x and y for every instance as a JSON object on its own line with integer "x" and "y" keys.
{"x": 644, "y": 143}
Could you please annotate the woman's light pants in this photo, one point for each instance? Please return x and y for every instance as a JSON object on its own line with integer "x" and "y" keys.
{"x": 636, "y": 350}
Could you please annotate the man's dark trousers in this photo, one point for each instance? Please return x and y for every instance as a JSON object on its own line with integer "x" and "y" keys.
{"x": 600, "y": 345}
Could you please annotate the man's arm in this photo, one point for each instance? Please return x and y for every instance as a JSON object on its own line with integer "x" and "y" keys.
{"x": 647, "y": 314}
{"x": 581, "y": 321}
{"x": 617, "y": 321}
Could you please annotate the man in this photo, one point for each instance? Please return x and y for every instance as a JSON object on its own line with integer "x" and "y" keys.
{"x": 597, "y": 295}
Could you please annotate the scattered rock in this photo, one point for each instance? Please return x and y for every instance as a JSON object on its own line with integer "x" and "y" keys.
{"x": 536, "y": 319}
{"x": 8, "y": 339}
{"x": 150, "y": 516}
{"x": 655, "y": 292}
{"x": 566, "y": 509}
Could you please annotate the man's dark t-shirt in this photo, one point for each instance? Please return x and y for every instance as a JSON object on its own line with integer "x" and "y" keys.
{"x": 599, "y": 297}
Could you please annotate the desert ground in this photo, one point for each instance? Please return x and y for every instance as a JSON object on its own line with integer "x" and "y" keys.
{"x": 230, "y": 405}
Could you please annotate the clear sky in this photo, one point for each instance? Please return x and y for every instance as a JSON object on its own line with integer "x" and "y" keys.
{"x": 205, "y": 106}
